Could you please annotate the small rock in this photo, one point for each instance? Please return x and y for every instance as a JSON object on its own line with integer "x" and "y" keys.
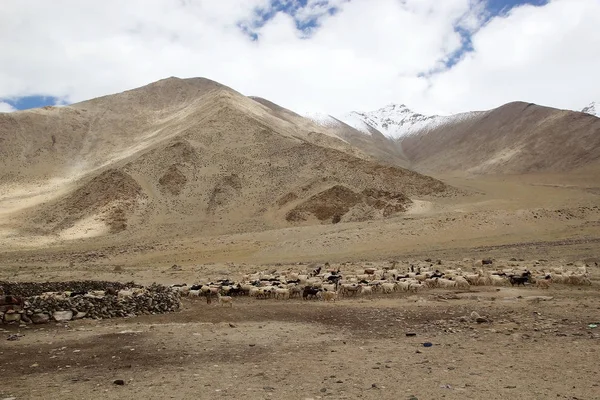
{"x": 269, "y": 388}
{"x": 232, "y": 325}
{"x": 119, "y": 382}
{"x": 411, "y": 334}
{"x": 323, "y": 390}
{"x": 481, "y": 320}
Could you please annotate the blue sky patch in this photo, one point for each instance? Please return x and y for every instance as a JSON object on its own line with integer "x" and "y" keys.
{"x": 502, "y": 7}
{"x": 27, "y": 102}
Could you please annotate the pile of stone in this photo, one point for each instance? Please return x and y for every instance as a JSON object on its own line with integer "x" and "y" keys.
{"x": 29, "y": 289}
{"x": 155, "y": 299}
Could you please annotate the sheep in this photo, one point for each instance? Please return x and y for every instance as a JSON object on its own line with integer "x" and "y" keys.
{"x": 496, "y": 280}
{"x": 403, "y": 286}
{"x": 431, "y": 282}
{"x": 367, "y": 290}
{"x": 473, "y": 279}
{"x": 224, "y": 300}
{"x": 182, "y": 289}
{"x": 446, "y": 283}
{"x": 283, "y": 294}
{"x": 543, "y": 282}
{"x": 560, "y": 279}
{"x": 295, "y": 291}
{"x": 416, "y": 286}
{"x": 195, "y": 293}
{"x": 350, "y": 289}
{"x": 388, "y": 287}
{"x": 578, "y": 279}
{"x": 329, "y": 296}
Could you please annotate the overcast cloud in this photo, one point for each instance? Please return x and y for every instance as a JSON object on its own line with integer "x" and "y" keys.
{"x": 366, "y": 54}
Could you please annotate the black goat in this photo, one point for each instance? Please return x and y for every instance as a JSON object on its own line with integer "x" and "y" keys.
{"x": 518, "y": 280}
{"x": 310, "y": 291}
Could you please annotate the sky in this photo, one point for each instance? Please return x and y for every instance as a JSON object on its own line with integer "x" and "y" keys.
{"x": 330, "y": 56}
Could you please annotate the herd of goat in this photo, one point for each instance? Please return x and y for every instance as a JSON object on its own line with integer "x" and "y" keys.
{"x": 329, "y": 284}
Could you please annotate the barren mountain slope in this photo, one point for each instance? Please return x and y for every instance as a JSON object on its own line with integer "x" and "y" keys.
{"x": 374, "y": 143}
{"x": 513, "y": 139}
{"x": 191, "y": 156}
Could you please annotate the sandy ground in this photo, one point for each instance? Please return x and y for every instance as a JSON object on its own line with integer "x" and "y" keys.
{"x": 525, "y": 216}
{"x": 354, "y": 348}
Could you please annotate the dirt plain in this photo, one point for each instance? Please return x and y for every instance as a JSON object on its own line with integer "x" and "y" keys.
{"x": 184, "y": 181}
{"x": 353, "y": 348}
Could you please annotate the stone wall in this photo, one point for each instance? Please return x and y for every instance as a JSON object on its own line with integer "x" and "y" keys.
{"x": 155, "y": 299}
{"x": 29, "y": 289}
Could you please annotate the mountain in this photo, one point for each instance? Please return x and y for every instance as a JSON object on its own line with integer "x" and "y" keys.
{"x": 396, "y": 121}
{"x": 512, "y": 139}
{"x": 393, "y": 121}
{"x": 183, "y": 156}
{"x": 515, "y": 138}
{"x": 375, "y": 144}
{"x": 592, "y": 108}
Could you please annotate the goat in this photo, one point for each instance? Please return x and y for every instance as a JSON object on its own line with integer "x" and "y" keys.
{"x": 309, "y": 292}
{"x": 224, "y": 300}
{"x": 518, "y": 280}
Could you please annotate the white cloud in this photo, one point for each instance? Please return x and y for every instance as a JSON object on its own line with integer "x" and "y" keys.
{"x": 6, "y": 108}
{"x": 547, "y": 55}
{"x": 366, "y": 55}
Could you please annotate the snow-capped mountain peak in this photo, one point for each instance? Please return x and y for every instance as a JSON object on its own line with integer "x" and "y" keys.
{"x": 397, "y": 120}
{"x": 592, "y": 108}
{"x": 393, "y": 120}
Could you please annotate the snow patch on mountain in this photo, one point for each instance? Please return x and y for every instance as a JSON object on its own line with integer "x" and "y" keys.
{"x": 397, "y": 121}
{"x": 393, "y": 120}
{"x": 355, "y": 120}
{"x": 322, "y": 119}
{"x": 592, "y": 108}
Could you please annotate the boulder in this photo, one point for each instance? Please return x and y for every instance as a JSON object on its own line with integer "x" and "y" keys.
{"x": 12, "y": 316}
{"x": 62, "y": 315}
{"x": 40, "y": 318}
